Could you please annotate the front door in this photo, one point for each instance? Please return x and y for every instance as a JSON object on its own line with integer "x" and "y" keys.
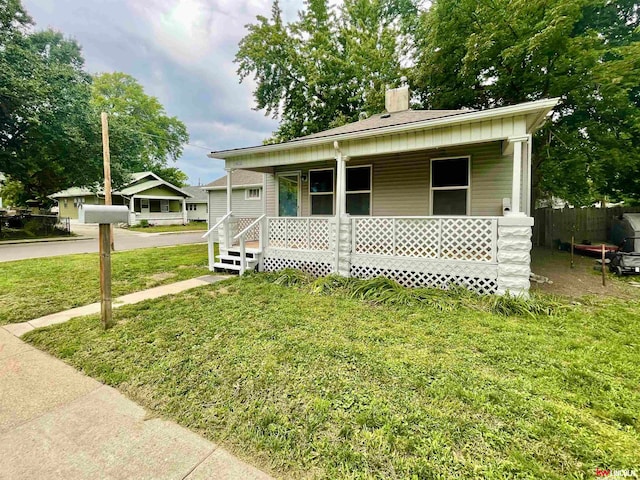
{"x": 288, "y": 194}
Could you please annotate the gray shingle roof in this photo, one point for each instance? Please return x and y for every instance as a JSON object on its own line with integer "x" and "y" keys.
{"x": 385, "y": 120}
{"x": 198, "y": 195}
{"x": 238, "y": 179}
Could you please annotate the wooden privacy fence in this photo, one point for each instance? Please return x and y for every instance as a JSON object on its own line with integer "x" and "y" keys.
{"x": 590, "y": 224}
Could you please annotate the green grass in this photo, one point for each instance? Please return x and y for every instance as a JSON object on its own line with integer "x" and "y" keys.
{"x": 32, "y": 288}
{"x": 327, "y": 385}
{"x": 171, "y": 228}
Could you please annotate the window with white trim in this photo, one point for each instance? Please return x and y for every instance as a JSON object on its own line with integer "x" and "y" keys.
{"x": 359, "y": 190}
{"x": 252, "y": 194}
{"x": 450, "y": 179}
{"x": 321, "y": 191}
{"x": 144, "y": 203}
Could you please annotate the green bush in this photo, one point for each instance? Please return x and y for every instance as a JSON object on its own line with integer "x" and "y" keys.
{"x": 143, "y": 223}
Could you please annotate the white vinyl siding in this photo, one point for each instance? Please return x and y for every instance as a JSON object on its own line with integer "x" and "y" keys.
{"x": 401, "y": 182}
{"x": 197, "y": 211}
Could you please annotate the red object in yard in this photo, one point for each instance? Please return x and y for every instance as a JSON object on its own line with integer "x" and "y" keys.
{"x": 594, "y": 250}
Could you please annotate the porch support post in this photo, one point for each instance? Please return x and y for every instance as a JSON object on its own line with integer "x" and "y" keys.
{"x": 225, "y": 228}
{"x": 229, "y": 188}
{"x": 529, "y": 170}
{"x": 342, "y": 219}
{"x": 516, "y": 188}
{"x": 132, "y": 210}
{"x": 514, "y": 255}
{"x": 185, "y": 220}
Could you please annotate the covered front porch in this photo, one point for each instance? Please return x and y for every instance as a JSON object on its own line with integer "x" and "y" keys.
{"x": 445, "y": 206}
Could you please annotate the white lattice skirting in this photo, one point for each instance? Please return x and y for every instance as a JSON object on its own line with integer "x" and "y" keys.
{"x": 318, "y": 264}
{"x": 411, "y": 272}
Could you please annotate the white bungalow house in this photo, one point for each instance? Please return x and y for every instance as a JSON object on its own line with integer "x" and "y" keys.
{"x": 149, "y": 198}
{"x": 424, "y": 197}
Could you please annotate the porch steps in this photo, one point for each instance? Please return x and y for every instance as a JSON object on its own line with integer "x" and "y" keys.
{"x": 232, "y": 261}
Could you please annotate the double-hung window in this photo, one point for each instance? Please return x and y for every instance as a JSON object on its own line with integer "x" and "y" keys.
{"x": 359, "y": 190}
{"x": 321, "y": 191}
{"x": 450, "y": 179}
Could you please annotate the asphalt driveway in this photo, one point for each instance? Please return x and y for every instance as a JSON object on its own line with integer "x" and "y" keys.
{"x": 87, "y": 242}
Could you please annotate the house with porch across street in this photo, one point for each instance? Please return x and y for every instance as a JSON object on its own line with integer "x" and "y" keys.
{"x": 428, "y": 198}
{"x": 149, "y": 198}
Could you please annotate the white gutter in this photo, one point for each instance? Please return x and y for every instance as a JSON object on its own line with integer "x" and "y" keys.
{"x": 511, "y": 110}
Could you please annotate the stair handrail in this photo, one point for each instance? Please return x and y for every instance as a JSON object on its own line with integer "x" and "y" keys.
{"x": 220, "y": 222}
{"x": 251, "y": 225}
{"x": 243, "y": 247}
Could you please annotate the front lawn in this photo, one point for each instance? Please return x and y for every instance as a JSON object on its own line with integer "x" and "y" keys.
{"x": 171, "y": 228}
{"x": 32, "y": 288}
{"x": 312, "y": 385}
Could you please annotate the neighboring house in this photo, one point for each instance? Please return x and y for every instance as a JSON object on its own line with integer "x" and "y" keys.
{"x": 197, "y": 207}
{"x": 425, "y": 197}
{"x": 247, "y": 199}
{"x": 148, "y": 197}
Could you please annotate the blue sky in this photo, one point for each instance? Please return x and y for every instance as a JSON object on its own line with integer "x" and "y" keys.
{"x": 182, "y": 52}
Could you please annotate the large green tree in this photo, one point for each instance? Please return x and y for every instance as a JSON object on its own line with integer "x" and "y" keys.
{"x": 488, "y": 53}
{"x": 50, "y": 108}
{"x": 329, "y": 65}
{"x": 142, "y": 135}
{"x": 45, "y": 139}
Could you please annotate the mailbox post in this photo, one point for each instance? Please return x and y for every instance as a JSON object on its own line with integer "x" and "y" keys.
{"x": 105, "y": 216}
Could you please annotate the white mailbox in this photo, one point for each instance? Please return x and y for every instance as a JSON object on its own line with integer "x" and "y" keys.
{"x": 103, "y": 214}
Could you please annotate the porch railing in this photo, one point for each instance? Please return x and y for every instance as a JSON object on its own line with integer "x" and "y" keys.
{"x": 300, "y": 233}
{"x": 240, "y": 224}
{"x": 242, "y": 238}
{"x": 445, "y": 238}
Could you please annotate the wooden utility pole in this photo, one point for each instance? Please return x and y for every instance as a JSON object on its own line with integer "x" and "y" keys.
{"x": 106, "y": 234}
{"x": 106, "y": 157}
{"x": 105, "y": 276}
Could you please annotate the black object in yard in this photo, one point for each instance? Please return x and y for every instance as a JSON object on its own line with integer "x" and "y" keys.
{"x": 624, "y": 263}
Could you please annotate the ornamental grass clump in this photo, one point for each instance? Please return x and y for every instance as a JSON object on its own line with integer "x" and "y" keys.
{"x": 385, "y": 291}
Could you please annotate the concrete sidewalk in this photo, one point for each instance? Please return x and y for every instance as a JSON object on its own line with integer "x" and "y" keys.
{"x": 19, "y": 329}
{"x": 56, "y": 423}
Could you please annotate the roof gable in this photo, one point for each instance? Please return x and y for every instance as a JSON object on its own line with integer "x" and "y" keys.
{"x": 140, "y": 182}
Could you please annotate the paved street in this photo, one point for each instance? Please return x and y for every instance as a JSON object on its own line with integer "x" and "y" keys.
{"x": 124, "y": 240}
